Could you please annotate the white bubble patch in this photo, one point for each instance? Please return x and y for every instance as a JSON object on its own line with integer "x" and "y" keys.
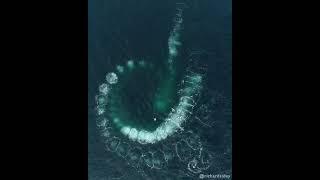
{"x": 104, "y": 88}
{"x": 112, "y": 78}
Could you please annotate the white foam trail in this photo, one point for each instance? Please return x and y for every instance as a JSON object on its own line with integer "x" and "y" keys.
{"x": 174, "y": 38}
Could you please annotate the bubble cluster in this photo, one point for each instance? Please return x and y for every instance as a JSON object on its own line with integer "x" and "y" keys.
{"x": 120, "y": 69}
{"x": 112, "y": 78}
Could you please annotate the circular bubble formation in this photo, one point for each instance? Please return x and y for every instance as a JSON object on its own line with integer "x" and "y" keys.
{"x": 171, "y": 124}
{"x": 179, "y": 114}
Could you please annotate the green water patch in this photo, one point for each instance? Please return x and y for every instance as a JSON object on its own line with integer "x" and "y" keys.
{"x": 143, "y": 97}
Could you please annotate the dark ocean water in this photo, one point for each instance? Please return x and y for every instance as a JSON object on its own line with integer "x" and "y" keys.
{"x": 122, "y": 29}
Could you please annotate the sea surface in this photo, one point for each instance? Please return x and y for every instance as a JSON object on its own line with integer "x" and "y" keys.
{"x": 123, "y": 29}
